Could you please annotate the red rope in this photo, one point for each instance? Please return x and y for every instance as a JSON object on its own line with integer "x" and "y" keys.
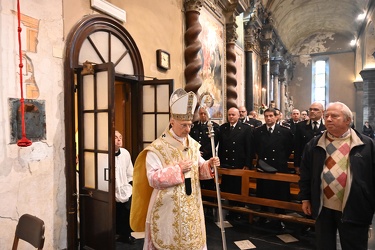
{"x": 23, "y": 142}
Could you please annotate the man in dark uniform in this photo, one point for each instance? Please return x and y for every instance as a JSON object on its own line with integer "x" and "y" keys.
{"x": 234, "y": 149}
{"x": 273, "y": 143}
{"x": 243, "y": 115}
{"x": 279, "y": 118}
{"x": 253, "y": 119}
{"x": 294, "y": 120}
{"x": 244, "y": 118}
{"x": 306, "y": 130}
{"x": 200, "y": 132}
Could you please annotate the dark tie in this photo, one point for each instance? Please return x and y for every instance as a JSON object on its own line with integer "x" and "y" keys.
{"x": 270, "y": 130}
{"x": 315, "y": 126}
{"x": 231, "y": 128}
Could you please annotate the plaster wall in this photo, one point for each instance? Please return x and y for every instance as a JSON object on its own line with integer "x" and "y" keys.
{"x": 32, "y": 179}
{"x": 152, "y": 26}
{"x": 341, "y": 78}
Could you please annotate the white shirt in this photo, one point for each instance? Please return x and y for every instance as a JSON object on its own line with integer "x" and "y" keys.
{"x": 124, "y": 175}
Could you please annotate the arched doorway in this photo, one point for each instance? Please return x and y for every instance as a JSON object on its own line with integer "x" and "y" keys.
{"x": 100, "y": 56}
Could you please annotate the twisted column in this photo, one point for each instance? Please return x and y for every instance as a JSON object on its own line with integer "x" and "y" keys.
{"x": 193, "y": 63}
{"x": 231, "y": 65}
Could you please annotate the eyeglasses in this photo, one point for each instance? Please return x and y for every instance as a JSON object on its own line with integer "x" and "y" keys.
{"x": 185, "y": 126}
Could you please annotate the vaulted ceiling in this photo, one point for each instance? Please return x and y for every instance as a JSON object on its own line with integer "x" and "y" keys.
{"x": 316, "y": 26}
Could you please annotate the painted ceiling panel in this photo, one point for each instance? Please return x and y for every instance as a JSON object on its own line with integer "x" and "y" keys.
{"x": 299, "y": 21}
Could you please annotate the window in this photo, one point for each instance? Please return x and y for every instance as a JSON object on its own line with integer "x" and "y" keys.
{"x": 320, "y": 81}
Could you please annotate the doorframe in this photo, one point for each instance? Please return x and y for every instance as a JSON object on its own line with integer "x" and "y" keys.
{"x": 74, "y": 41}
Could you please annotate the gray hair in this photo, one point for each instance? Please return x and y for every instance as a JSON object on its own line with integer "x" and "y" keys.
{"x": 344, "y": 109}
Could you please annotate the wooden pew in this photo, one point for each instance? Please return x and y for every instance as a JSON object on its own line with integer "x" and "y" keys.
{"x": 247, "y": 177}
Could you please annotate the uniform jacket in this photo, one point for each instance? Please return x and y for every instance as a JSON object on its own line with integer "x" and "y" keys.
{"x": 368, "y": 131}
{"x": 304, "y": 133}
{"x": 235, "y": 146}
{"x": 200, "y": 133}
{"x": 292, "y": 125}
{"x": 274, "y": 148}
{"x": 359, "y": 197}
{"x": 254, "y": 122}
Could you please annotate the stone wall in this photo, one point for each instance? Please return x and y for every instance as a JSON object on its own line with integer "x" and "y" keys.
{"x": 32, "y": 179}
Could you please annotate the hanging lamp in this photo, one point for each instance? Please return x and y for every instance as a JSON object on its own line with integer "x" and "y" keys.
{"x": 23, "y": 142}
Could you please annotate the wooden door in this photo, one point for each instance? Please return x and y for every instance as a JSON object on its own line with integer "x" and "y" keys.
{"x": 96, "y": 157}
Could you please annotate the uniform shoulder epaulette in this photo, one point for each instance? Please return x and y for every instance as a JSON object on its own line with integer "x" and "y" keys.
{"x": 259, "y": 126}
{"x": 283, "y": 126}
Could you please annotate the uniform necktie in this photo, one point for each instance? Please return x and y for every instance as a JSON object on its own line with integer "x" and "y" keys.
{"x": 315, "y": 126}
{"x": 231, "y": 128}
{"x": 270, "y": 130}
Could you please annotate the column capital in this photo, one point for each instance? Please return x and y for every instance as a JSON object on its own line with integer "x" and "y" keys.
{"x": 231, "y": 32}
{"x": 358, "y": 85}
{"x": 368, "y": 74}
{"x": 193, "y": 5}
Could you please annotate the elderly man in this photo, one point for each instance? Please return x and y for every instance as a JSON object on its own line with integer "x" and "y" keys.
{"x": 306, "y": 130}
{"x": 167, "y": 200}
{"x": 337, "y": 185}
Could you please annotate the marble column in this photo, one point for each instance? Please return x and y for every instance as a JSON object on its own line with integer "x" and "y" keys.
{"x": 368, "y": 76}
{"x": 282, "y": 97}
{"x": 265, "y": 79}
{"x": 358, "y": 122}
{"x": 249, "y": 99}
{"x": 276, "y": 93}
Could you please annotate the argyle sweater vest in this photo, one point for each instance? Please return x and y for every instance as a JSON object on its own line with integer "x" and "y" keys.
{"x": 335, "y": 171}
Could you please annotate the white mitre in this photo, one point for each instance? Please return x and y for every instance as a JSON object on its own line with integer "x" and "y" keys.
{"x": 182, "y": 105}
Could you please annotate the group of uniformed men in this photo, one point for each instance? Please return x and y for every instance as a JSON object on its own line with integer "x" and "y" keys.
{"x": 242, "y": 139}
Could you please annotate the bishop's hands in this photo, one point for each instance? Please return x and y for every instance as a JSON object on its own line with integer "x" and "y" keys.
{"x": 214, "y": 161}
{"x": 185, "y": 165}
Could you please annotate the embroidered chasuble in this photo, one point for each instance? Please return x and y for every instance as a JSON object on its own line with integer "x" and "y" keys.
{"x": 335, "y": 171}
{"x": 174, "y": 219}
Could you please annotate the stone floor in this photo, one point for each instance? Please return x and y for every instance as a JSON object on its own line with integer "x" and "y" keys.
{"x": 261, "y": 236}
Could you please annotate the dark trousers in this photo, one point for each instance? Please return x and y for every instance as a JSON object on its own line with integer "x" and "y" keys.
{"x": 352, "y": 236}
{"x": 122, "y": 218}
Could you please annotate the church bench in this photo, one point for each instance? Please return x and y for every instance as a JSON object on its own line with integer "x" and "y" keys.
{"x": 248, "y": 177}
{"x": 290, "y": 164}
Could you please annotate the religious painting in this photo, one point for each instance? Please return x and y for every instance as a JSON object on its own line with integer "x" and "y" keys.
{"x": 212, "y": 56}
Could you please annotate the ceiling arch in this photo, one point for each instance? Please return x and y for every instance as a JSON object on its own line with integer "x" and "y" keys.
{"x": 301, "y": 21}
